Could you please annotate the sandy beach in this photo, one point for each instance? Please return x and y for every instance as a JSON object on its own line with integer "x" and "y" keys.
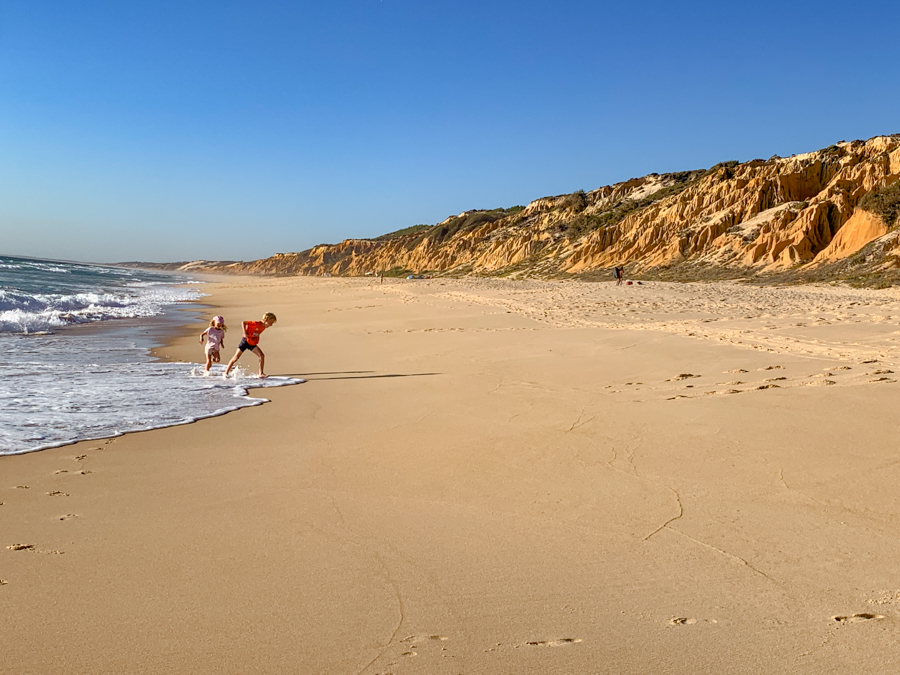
{"x": 487, "y": 477}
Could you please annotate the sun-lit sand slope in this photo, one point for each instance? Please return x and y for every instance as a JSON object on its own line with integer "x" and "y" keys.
{"x": 488, "y": 477}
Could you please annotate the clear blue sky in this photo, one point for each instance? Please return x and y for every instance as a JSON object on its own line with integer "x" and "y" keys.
{"x": 234, "y": 130}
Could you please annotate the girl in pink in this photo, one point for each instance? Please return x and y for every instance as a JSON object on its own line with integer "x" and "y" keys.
{"x": 215, "y": 340}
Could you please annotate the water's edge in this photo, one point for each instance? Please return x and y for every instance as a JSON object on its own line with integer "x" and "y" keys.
{"x": 153, "y": 336}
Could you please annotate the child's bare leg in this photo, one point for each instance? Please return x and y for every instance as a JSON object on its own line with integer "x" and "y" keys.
{"x": 234, "y": 359}
{"x": 262, "y": 361}
{"x": 208, "y": 362}
{"x": 215, "y": 357}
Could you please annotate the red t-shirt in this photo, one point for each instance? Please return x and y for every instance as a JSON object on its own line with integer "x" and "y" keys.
{"x": 254, "y": 328}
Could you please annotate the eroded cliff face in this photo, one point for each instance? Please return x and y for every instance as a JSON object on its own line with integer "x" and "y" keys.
{"x": 744, "y": 218}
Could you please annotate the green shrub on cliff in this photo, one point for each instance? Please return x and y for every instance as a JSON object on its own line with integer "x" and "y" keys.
{"x": 616, "y": 213}
{"x": 834, "y": 151}
{"x": 577, "y": 201}
{"x": 413, "y": 229}
{"x": 468, "y": 221}
{"x": 453, "y": 225}
{"x": 884, "y": 202}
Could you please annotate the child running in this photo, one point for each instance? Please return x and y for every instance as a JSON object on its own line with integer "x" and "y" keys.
{"x": 252, "y": 330}
{"x": 215, "y": 340}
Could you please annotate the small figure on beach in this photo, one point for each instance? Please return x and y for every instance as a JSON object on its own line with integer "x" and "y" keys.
{"x": 215, "y": 340}
{"x": 252, "y": 331}
{"x": 618, "y": 274}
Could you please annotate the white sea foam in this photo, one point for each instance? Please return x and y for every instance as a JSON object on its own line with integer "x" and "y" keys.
{"x": 23, "y": 312}
{"x": 59, "y": 389}
{"x": 42, "y": 295}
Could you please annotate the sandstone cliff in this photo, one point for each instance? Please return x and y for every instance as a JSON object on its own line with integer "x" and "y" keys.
{"x": 804, "y": 213}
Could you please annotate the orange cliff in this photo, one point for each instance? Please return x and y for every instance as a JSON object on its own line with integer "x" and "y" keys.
{"x": 741, "y": 219}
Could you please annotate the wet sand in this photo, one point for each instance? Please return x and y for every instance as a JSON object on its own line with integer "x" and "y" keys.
{"x": 487, "y": 476}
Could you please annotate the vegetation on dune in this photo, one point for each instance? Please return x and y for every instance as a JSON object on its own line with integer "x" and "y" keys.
{"x": 884, "y": 203}
{"x": 834, "y": 151}
{"x": 413, "y": 229}
{"x": 615, "y": 213}
{"x": 577, "y": 201}
{"x": 726, "y": 167}
{"x": 467, "y": 221}
{"x": 453, "y": 225}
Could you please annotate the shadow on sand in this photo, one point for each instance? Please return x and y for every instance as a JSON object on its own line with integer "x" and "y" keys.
{"x": 354, "y": 375}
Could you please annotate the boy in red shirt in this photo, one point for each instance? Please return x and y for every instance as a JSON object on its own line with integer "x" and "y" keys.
{"x": 252, "y": 330}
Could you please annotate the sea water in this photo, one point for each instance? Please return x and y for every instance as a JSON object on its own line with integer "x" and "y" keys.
{"x": 62, "y": 381}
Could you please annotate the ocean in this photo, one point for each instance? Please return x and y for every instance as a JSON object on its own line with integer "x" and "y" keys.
{"x": 75, "y": 359}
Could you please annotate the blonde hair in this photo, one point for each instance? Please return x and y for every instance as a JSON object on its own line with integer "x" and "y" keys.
{"x": 268, "y": 316}
{"x": 212, "y": 324}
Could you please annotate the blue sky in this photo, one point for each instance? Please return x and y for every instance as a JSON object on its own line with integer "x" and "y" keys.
{"x": 235, "y": 130}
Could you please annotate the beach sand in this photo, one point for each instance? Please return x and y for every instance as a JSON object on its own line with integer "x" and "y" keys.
{"x": 487, "y": 476}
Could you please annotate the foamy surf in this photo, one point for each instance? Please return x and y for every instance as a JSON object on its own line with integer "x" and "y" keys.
{"x": 40, "y": 296}
{"x": 64, "y": 386}
{"x": 62, "y": 389}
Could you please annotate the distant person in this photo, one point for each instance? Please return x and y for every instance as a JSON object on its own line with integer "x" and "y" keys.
{"x": 619, "y": 274}
{"x": 252, "y": 331}
{"x": 215, "y": 340}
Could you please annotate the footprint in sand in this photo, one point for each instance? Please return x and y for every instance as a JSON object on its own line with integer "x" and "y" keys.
{"x": 3, "y": 582}
{"x": 682, "y": 621}
{"x": 553, "y": 643}
{"x": 80, "y": 457}
{"x": 772, "y": 368}
{"x": 69, "y": 516}
{"x": 768, "y": 386}
{"x": 736, "y": 370}
{"x": 21, "y": 547}
{"x": 683, "y": 376}
{"x": 420, "y": 638}
{"x": 58, "y": 493}
{"x": 820, "y": 383}
{"x": 858, "y": 618}
{"x": 882, "y": 372}
{"x": 775, "y": 379}
{"x": 882, "y": 379}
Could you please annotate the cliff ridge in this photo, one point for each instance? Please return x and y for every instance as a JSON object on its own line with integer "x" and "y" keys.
{"x": 806, "y": 215}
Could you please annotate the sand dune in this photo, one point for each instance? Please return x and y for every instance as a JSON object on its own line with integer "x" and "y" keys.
{"x": 488, "y": 476}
